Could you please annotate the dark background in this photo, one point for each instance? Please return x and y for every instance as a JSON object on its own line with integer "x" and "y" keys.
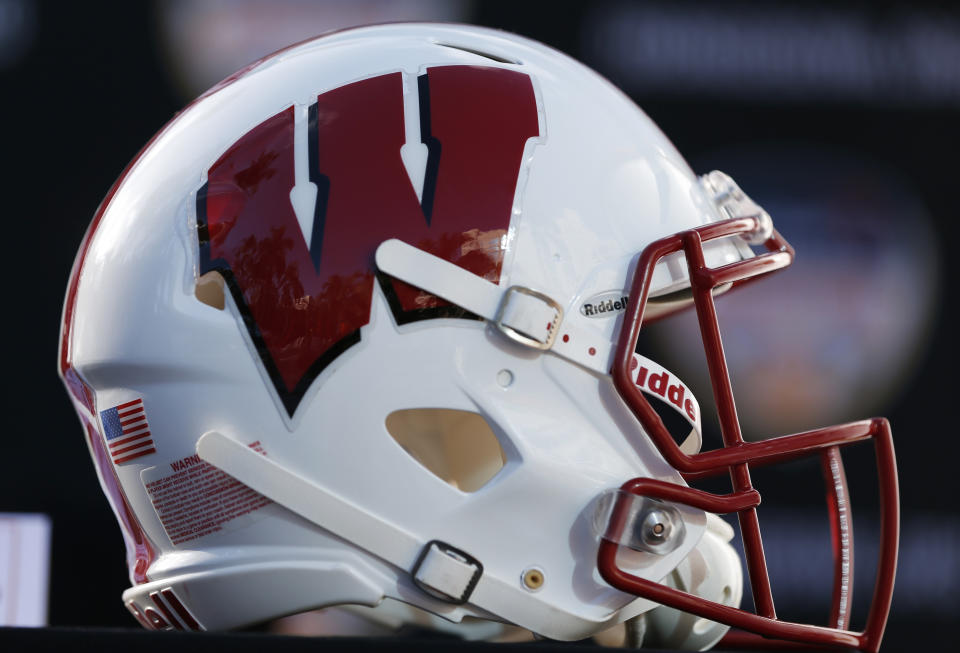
{"x": 85, "y": 85}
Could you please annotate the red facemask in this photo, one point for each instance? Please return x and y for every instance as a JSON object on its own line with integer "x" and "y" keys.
{"x": 737, "y": 457}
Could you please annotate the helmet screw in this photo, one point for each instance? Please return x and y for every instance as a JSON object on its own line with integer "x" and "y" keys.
{"x": 656, "y": 528}
{"x": 533, "y": 578}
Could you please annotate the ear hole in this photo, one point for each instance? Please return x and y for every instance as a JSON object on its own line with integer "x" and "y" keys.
{"x": 457, "y": 446}
{"x": 209, "y": 290}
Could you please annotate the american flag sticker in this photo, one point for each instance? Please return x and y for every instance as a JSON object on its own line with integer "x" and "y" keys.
{"x": 127, "y": 432}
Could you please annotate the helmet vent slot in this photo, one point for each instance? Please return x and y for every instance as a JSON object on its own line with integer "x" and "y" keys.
{"x": 457, "y": 446}
{"x": 487, "y": 55}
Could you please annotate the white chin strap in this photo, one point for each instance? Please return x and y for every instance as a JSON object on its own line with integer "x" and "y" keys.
{"x": 535, "y": 320}
{"x": 447, "y": 575}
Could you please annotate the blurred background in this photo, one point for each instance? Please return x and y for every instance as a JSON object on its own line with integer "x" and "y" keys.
{"x": 840, "y": 118}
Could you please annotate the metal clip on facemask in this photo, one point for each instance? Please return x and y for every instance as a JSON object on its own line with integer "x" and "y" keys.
{"x": 643, "y": 524}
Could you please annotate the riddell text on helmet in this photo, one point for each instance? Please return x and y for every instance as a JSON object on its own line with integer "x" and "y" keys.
{"x": 604, "y": 308}
{"x": 675, "y": 393}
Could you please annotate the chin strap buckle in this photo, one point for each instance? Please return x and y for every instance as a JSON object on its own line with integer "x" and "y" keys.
{"x": 446, "y": 573}
{"x": 528, "y": 317}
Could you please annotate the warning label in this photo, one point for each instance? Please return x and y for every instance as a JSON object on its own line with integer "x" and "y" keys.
{"x": 198, "y": 499}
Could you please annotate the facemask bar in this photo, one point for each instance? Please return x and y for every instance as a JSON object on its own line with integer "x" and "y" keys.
{"x": 737, "y": 456}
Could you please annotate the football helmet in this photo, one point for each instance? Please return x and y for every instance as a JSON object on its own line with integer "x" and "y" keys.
{"x": 359, "y": 327}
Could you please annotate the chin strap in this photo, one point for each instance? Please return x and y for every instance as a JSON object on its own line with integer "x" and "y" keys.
{"x": 522, "y": 314}
{"x": 445, "y": 573}
{"x": 535, "y": 320}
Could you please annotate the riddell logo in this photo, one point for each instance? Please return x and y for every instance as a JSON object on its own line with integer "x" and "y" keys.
{"x": 606, "y": 304}
{"x": 676, "y": 393}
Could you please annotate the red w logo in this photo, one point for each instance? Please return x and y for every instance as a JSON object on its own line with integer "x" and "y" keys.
{"x": 304, "y": 305}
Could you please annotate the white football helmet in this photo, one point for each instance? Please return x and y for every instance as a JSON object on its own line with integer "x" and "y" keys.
{"x": 358, "y": 327}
